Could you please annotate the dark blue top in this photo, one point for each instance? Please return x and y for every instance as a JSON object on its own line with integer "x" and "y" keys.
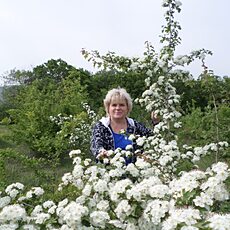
{"x": 121, "y": 141}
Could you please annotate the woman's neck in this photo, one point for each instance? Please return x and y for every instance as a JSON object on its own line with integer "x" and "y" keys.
{"x": 118, "y": 124}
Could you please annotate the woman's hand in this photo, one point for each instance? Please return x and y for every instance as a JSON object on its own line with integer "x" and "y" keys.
{"x": 155, "y": 119}
{"x": 102, "y": 154}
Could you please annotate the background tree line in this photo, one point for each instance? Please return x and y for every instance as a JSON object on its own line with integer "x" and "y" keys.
{"x": 56, "y": 87}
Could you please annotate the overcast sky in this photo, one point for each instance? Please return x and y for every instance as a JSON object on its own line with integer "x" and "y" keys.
{"x": 35, "y": 31}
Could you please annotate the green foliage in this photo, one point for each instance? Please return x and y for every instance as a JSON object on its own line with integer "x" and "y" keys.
{"x": 8, "y": 101}
{"x": 10, "y": 157}
{"x": 38, "y": 101}
{"x": 52, "y": 69}
{"x": 103, "y": 81}
{"x": 201, "y": 92}
{"x": 199, "y": 127}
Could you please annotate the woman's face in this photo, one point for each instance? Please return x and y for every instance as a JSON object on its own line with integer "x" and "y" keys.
{"x": 118, "y": 108}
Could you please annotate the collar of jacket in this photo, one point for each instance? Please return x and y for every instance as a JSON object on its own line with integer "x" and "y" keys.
{"x": 106, "y": 121}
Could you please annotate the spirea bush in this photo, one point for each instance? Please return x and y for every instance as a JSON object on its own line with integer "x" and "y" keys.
{"x": 148, "y": 194}
{"x": 120, "y": 196}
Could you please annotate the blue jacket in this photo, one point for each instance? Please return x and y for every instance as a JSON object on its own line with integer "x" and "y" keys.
{"x": 102, "y": 137}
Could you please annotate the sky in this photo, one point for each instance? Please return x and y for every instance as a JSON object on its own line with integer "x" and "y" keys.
{"x": 35, "y": 31}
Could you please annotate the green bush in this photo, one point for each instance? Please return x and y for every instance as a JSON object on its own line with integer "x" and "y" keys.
{"x": 39, "y": 101}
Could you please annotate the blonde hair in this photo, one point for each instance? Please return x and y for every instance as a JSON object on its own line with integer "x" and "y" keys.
{"x": 119, "y": 93}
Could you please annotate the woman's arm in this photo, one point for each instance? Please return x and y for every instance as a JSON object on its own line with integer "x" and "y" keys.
{"x": 142, "y": 130}
{"x": 97, "y": 140}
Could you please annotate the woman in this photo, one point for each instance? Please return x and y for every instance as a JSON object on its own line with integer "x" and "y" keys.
{"x": 108, "y": 133}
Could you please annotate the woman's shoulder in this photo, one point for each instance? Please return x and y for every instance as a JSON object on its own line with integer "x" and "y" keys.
{"x": 137, "y": 123}
{"x": 141, "y": 127}
{"x": 102, "y": 123}
{"x": 98, "y": 124}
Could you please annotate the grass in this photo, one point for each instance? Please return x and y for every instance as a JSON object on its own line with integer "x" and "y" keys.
{"x": 16, "y": 165}
{"x": 4, "y": 137}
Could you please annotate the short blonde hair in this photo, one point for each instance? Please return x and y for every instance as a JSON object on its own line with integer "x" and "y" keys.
{"x": 120, "y": 93}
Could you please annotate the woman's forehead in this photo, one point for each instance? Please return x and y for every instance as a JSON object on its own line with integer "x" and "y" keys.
{"x": 117, "y": 99}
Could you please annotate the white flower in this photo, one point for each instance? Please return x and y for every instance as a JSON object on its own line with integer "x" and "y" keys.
{"x": 118, "y": 224}
{"x": 29, "y": 227}
{"x": 123, "y": 209}
{"x": 74, "y": 153}
{"x": 131, "y": 226}
{"x": 4, "y": 201}
{"x": 106, "y": 161}
{"x": 219, "y": 167}
{"x": 147, "y": 93}
{"x": 134, "y": 66}
{"x": 10, "y": 226}
{"x": 132, "y": 170}
{"x": 87, "y": 162}
{"x": 142, "y": 164}
{"x": 99, "y": 218}
{"x": 38, "y": 191}
{"x": 14, "y": 189}
{"x": 87, "y": 190}
{"x": 188, "y": 216}
{"x": 160, "y": 80}
{"x": 203, "y": 200}
{"x": 63, "y": 203}
{"x": 52, "y": 209}
{"x": 165, "y": 57}
{"x": 156, "y": 210}
{"x": 140, "y": 141}
{"x": 119, "y": 188}
{"x": 77, "y": 160}
{"x": 78, "y": 171}
{"x": 177, "y": 125}
{"x": 103, "y": 205}
{"x": 129, "y": 147}
{"x": 189, "y": 228}
{"x": 100, "y": 186}
{"x": 72, "y": 214}
{"x": 158, "y": 191}
{"x": 150, "y": 74}
{"x": 48, "y": 204}
{"x": 40, "y": 218}
{"x": 132, "y": 137}
{"x": 164, "y": 160}
{"x": 218, "y": 222}
{"x": 12, "y": 213}
{"x": 37, "y": 209}
{"x": 187, "y": 182}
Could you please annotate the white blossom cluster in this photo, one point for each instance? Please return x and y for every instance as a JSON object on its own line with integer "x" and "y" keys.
{"x": 109, "y": 196}
{"x": 218, "y": 221}
{"x": 196, "y": 153}
{"x": 60, "y": 119}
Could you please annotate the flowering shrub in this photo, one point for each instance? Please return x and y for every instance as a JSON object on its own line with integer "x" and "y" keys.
{"x": 116, "y": 196}
{"x": 75, "y": 130}
{"x": 148, "y": 194}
